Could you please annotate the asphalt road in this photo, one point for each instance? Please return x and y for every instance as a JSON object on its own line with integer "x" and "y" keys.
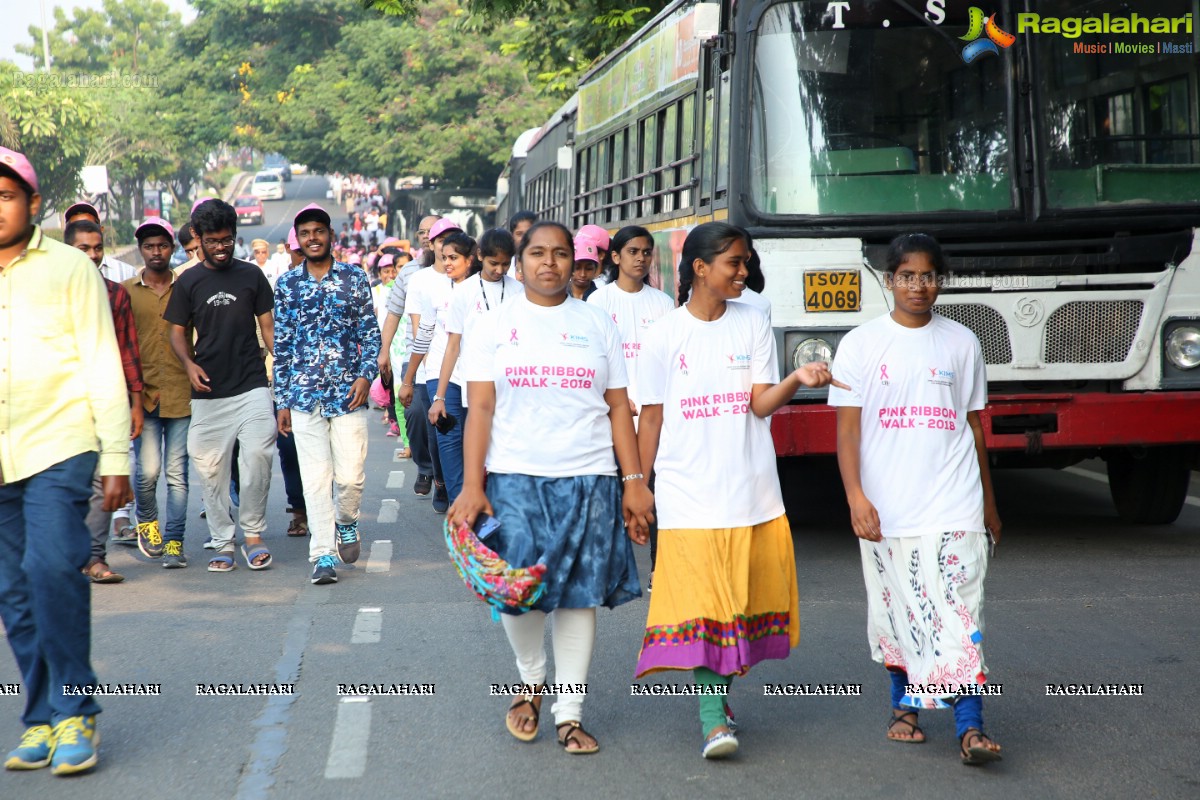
{"x": 302, "y": 190}
{"x": 1074, "y": 595}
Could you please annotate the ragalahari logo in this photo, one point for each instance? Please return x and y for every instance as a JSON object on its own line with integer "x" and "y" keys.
{"x": 979, "y": 26}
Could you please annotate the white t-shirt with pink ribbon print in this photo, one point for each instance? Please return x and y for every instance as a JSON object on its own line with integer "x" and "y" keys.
{"x": 551, "y": 367}
{"x": 715, "y": 466}
{"x": 915, "y": 386}
{"x": 633, "y": 313}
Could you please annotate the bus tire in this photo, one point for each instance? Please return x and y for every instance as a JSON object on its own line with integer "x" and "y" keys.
{"x": 1149, "y": 488}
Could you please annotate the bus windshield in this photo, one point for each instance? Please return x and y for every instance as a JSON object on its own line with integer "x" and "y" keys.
{"x": 863, "y": 108}
{"x": 1121, "y": 126}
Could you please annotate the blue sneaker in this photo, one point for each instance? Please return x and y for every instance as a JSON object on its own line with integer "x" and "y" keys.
{"x": 348, "y": 542}
{"x": 34, "y": 750}
{"x": 323, "y": 570}
{"x": 441, "y": 500}
{"x": 75, "y": 743}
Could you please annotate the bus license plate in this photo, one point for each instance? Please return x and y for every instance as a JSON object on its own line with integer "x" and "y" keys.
{"x": 832, "y": 290}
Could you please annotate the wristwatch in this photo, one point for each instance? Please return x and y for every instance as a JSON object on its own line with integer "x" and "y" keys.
{"x": 436, "y": 398}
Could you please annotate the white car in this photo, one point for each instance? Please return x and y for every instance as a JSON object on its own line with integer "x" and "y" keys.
{"x": 268, "y": 185}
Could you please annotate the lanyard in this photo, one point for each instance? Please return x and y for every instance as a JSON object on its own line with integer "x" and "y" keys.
{"x": 483, "y": 291}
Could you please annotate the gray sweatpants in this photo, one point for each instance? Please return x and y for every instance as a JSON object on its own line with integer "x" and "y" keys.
{"x": 249, "y": 420}
{"x": 98, "y": 520}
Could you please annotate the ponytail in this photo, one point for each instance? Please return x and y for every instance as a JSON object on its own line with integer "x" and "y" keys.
{"x": 705, "y": 242}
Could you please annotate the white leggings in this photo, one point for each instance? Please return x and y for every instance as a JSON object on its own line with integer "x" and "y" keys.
{"x": 573, "y": 635}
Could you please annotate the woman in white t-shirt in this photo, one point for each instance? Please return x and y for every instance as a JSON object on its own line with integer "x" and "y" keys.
{"x": 549, "y": 423}
{"x": 429, "y": 346}
{"x": 726, "y": 574}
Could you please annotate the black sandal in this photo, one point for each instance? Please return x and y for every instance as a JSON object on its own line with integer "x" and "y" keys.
{"x": 573, "y": 735}
{"x": 913, "y": 728}
{"x": 977, "y": 753}
{"x": 524, "y": 700}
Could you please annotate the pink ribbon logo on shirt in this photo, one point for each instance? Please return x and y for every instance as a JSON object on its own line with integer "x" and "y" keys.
{"x": 683, "y": 362}
{"x": 512, "y": 339}
{"x": 883, "y": 376}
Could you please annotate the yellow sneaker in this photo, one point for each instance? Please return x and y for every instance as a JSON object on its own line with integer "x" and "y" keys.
{"x": 150, "y": 541}
{"x": 75, "y": 741}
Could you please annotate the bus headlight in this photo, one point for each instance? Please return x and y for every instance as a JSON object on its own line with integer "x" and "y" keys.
{"x": 809, "y": 350}
{"x": 1183, "y": 347}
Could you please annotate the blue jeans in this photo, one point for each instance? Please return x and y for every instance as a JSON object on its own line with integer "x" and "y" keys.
{"x": 45, "y": 601}
{"x": 163, "y": 443}
{"x": 449, "y": 445}
{"x": 420, "y": 433}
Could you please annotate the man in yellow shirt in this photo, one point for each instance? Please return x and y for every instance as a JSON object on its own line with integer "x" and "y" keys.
{"x": 62, "y": 406}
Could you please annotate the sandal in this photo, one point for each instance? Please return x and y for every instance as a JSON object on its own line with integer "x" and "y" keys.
{"x": 222, "y": 562}
{"x": 573, "y": 735}
{"x": 256, "y": 551}
{"x": 913, "y": 729}
{"x": 98, "y": 572}
{"x": 299, "y": 524}
{"x": 978, "y": 752}
{"x": 524, "y": 700}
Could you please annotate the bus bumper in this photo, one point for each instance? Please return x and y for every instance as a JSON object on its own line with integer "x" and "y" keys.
{"x": 1030, "y": 423}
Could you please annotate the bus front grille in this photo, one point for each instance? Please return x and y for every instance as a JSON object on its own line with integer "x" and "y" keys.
{"x": 1092, "y": 332}
{"x": 987, "y": 325}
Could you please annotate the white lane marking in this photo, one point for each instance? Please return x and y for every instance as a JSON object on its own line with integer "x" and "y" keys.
{"x": 380, "y": 557}
{"x": 351, "y": 734}
{"x": 367, "y": 626}
{"x": 395, "y": 480}
{"x": 1100, "y": 478}
{"x": 389, "y": 511}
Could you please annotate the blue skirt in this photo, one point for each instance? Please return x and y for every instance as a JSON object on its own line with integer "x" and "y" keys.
{"x": 572, "y": 525}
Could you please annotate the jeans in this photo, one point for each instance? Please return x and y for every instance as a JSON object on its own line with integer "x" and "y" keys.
{"x": 420, "y": 433}
{"x": 293, "y": 484}
{"x": 163, "y": 444}
{"x": 450, "y": 445}
{"x": 45, "y": 601}
{"x": 333, "y": 455}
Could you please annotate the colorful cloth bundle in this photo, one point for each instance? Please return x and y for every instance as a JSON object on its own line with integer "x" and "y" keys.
{"x": 489, "y": 576}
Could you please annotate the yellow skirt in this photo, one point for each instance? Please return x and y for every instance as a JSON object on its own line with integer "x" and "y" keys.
{"x": 724, "y": 598}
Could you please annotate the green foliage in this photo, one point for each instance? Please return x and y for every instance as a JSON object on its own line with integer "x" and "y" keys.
{"x": 120, "y": 38}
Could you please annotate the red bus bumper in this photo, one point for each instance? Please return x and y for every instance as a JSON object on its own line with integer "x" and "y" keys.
{"x": 1059, "y": 420}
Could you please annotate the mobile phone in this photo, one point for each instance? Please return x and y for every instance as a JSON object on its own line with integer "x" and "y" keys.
{"x": 991, "y": 542}
{"x": 485, "y": 525}
{"x": 445, "y": 424}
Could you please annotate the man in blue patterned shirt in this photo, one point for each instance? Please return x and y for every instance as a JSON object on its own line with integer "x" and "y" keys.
{"x": 326, "y": 345}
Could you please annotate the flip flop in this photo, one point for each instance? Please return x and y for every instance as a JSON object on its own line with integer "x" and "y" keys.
{"x": 254, "y": 553}
{"x": 222, "y": 558}
{"x": 99, "y": 572}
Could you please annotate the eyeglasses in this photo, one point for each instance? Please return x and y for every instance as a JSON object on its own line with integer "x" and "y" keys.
{"x": 218, "y": 244}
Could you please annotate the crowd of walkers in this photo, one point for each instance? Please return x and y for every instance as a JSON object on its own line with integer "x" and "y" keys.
{"x": 537, "y": 377}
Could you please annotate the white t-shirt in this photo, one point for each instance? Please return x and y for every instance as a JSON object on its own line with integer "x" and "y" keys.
{"x": 418, "y": 286}
{"x": 915, "y": 386}
{"x": 551, "y": 367}
{"x": 435, "y": 308}
{"x": 754, "y": 300}
{"x": 716, "y": 462}
{"x": 633, "y": 314}
{"x": 472, "y": 299}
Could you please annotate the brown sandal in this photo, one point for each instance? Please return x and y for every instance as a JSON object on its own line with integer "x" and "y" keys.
{"x": 572, "y": 735}
{"x": 977, "y": 752}
{"x": 913, "y": 730}
{"x": 525, "y": 700}
{"x": 98, "y": 572}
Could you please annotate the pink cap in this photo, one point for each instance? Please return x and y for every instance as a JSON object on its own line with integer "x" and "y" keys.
{"x": 80, "y": 206}
{"x": 19, "y": 164}
{"x": 386, "y": 261}
{"x": 154, "y": 222}
{"x": 594, "y": 234}
{"x": 586, "y": 251}
{"x": 293, "y": 242}
{"x": 391, "y": 241}
{"x": 310, "y": 212}
{"x": 200, "y": 200}
{"x": 443, "y": 225}
{"x": 354, "y": 258}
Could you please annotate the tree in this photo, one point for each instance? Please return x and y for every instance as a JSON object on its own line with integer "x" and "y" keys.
{"x": 53, "y": 126}
{"x": 120, "y": 38}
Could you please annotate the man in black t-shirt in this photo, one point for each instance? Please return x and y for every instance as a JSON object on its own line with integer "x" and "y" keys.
{"x": 222, "y": 297}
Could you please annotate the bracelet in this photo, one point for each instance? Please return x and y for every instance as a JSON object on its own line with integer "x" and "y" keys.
{"x": 409, "y": 385}
{"x": 637, "y": 476}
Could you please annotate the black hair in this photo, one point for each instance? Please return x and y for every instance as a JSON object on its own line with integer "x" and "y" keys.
{"x": 755, "y": 281}
{"x": 214, "y": 215}
{"x": 80, "y": 226}
{"x": 547, "y": 224}
{"x": 9, "y": 172}
{"x": 186, "y": 234}
{"x": 619, "y": 240}
{"x": 705, "y": 242}
{"x": 497, "y": 242}
{"x": 906, "y": 244}
{"x": 519, "y": 217}
{"x": 464, "y": 245}
{"x": 153, "y": 230}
